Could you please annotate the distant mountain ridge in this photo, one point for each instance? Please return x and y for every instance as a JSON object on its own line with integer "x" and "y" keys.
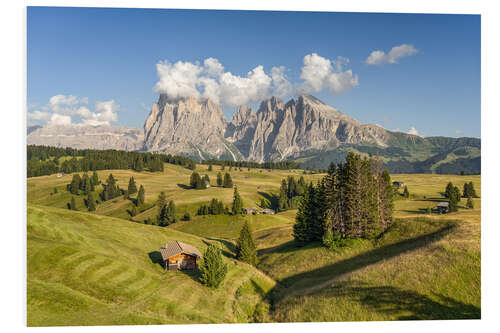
{"x": 304, "y": 129}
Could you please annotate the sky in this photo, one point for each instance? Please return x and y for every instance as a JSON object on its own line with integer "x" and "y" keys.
{"x": 416, "y": 73}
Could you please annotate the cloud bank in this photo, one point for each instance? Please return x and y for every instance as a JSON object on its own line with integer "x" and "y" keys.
{"x": 379, "y": 57}
{"x": 61, "y": 109}
{"x": 210, "y": 80}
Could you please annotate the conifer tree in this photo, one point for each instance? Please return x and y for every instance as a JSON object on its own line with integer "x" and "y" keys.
{"x": 111, "y": 190}
{"x": 454, "y": 199}
{"x": 132, "y": 187}
{"x": 139, "y": 164}
{"x": 95, "y": 178}
{"x": 72, "y": 205}
{"x": 470, "y": 203}
{"x": 406, "y": 194}
{"x": 75, "y": 184}
{"x": 212, "y": 268}
{"x": 91, "y": 202}
{"x": 206, "y": 181}
{"x": 448, "y": 190}
{"x": 161, "y": 201}
{"x": 133, "y": 211}
{"x": 237, "y": 207}
{"x": 162, "y": 216}
{"x": 171, "y": 212}
{"x": 283, "y": 198}
{"x": 219, "y": 179}
{"x": 245, "y": 247}
{"x": 140, "y": 196}
{"x": 210, "y": 167}
{"x": 228, "y": 181}
{"x": 55, "y": 190}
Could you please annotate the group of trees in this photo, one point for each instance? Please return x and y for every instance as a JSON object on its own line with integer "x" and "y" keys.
{"x": 469, "y": 191}
{"x": 354, "y": 200}
{"x": 283, "y": 165}
{"x": 166, "y": 211}
{"x": 215, "y": 207}
{"x": 290, "y": 192}
{"x": 43, "y": 160}
{"x": 84, "y": 184}
{"x": 453, "y": 194}
{"x": 213, "y": 269}
{"x": 197, "y": 182}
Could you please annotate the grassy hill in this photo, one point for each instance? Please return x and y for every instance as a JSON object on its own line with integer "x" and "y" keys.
{"x": 101, "y": 269}
{"x": 86, "y": 269}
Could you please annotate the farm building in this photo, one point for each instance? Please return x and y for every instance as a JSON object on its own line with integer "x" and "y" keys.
{"x": 250, "y": 210}
{"x": 180, "y": 256}
{"x": 398, "y": 184}
{"x": 443, "y": 207}
{"x": 267, "y": 211}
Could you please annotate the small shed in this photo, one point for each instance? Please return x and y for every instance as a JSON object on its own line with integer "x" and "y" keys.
{"x": 251, "y": 210}
{"x": 180, "y": 256}
{"x": 398, "y": 184}
{"x": 207, "y": 184}
{"x": 60, "y": 174}
{"x": 443, "y": 207}
{"x": 267, "y": 211}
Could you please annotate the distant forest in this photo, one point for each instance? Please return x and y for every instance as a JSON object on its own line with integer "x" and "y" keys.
{"x": 283, "y": 165}
{"x": 42, "y": 160}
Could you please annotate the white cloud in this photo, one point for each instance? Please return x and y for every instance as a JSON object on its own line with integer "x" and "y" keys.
{"x": 380, "y": 57}
{"x": 413, "y": 131}
{"x": 318, "y": 74}
{"x": 58, "y": 119}
{"x": 61, "y": 109}
{"x": 210, "y": 80}
{"x": 39, "y": 115}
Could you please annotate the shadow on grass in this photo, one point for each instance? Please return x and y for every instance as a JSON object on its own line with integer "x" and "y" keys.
{"x": 156, "y": 258}
{"x": 228, "y": 244}
{"x": 193, "y": 274}
{"x": 272, "y": 198}
{"x": 403, "y": 304}
{"x": 184, "y": 186}
{"x": 346, "y": 266}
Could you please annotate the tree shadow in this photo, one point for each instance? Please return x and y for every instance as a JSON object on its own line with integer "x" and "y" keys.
{"x": 156, "y": 258}
{"x": 403, "y": 304}
{"x": 184, "y": 186}
{"x": 287, "y": 247}
{"x": 346, "y": 266}
{"x": 193, "y": 274}
{"x": 272, "y": 198}
{"x": 228, "y": 244}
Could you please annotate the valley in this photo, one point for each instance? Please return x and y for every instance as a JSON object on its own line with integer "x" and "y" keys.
{"x": 101, "y": 268}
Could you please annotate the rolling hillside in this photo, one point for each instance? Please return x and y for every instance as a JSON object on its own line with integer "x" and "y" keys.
{"x": 86, "y": 269}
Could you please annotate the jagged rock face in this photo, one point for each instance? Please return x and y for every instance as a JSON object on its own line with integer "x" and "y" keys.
{"x": 87, "y": 137}
{"x": 286, "y": 130}
{"x": 241, "y": 130}
{"x": 186, "y": 126}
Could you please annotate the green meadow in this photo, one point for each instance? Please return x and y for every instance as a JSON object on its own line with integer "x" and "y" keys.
{"x": 101, "y": 268}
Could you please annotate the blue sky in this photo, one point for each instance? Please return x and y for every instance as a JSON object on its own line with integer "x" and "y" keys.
{"x": 106, "y": 60}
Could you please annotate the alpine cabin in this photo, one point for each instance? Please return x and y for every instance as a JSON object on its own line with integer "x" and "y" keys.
{"x": 180, "y": 256}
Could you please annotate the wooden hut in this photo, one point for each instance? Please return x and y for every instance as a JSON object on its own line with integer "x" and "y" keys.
{"x": 180, "y": 256}
{"x": 398, "y": 184}
{"x": 443, "y": 207}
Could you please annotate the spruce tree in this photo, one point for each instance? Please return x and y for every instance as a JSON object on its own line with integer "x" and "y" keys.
{"x": 210, "y": 167}
{"x": 171, "y": 212}
{"x": 91, "y": 202}
{"x": 470, "y": 203}
{"x": 245, "y": 247}
{"x": 139, "y": 164}
{"x": 140, "y": 196}
{"x": 206, "y": 181}
{"x": 132, "y": 187}
{"x": 72, "y": 205}
{"x": 406, "y": 194}
{"x": 219, "y": 179}
{"x": 95, "y": 178}
{"x": 454, "y": 199}
{"x": 75, "y": 184}
{"x": 161, "y": 201}
{"x": 212, "y": 268}
{"x": 237, "y": 207}
{"x": 283, "y": 198}
{"x": 162, "y": 216}
{"x": 448, "y": 190}
{"x": 228, "y": 181}
{"x": 133, "y": 211}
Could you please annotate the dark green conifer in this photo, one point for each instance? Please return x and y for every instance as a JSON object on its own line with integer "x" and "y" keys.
{"x": 91, "y": 202}
{"x": 132, "y": 187}
{"x": 245, "y": 247}
{"x": 212, "y": 268}
{"x": 140, "y": 196}
{"x": 237, "y": 207}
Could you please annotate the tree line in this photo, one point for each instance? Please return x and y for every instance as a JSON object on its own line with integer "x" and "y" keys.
{"x": 42, "y": 160}
{"x": 283, "y": 165}
{"x": 354, "y": 200}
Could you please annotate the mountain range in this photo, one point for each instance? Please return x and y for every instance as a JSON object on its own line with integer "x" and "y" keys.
{"x": 304, "y": 129}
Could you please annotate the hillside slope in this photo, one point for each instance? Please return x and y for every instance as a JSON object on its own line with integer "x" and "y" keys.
{"x": 86, "y": 269}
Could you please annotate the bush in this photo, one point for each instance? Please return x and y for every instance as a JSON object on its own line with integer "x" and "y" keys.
{"x": 213, "y": 269}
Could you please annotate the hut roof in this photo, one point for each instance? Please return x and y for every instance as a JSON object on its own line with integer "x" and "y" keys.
{"x": 443, "y": 204}
{"x": 176, "y": 248}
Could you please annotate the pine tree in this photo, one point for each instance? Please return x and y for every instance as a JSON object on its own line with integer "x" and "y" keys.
{"x": 219, "y": 179}
{"x": 95, "y": 178}
{"x": 85, "y": 184}
{"x": 283, "y": 198}
{"x": 72, "y": 204}
{"x": 162, "y": 216}
{"x": 133, "y": 211}
{"x": 454, "y": 199}
{"x": 206, "y": 181}
{"x": 91, "y": 202}
{"x": 195, "y": 181}
{"x": 470, "y": 203}
{"x": 212, "y": 268}
{"x": 132, "y": 187}
{"x": 139, "y": 164}
{"x": 111, "y": 190}
{"x": 210, "y": 167}
{"x": 75, "y": 184}
{"x": 228, "y": 181}
{"x": 245, "y": 247}
{"x": 161, "y": 201}
{"x": 448, "y": 190}
{"x": 140, "y": 197}
{"x": 237, "y": 207}
{"x": 171, "y": 212}
{"x": 406, "y": 194}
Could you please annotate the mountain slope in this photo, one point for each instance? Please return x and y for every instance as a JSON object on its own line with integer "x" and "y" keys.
{"x": 85, "y": 269}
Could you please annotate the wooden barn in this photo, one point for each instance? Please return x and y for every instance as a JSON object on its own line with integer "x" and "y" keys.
{"x": 180, "y": 256}
{"x": 443, "y": 207}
